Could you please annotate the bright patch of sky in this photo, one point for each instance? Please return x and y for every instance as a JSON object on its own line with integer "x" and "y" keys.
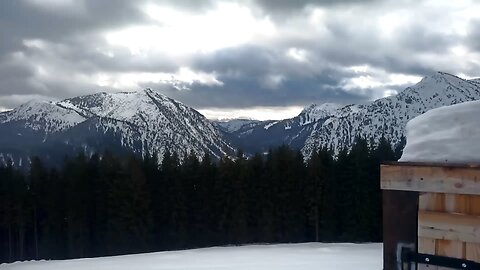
{"x": 181, "y": 32}
{"x": 258, "y": 113}
{"x": 133, "y": 80}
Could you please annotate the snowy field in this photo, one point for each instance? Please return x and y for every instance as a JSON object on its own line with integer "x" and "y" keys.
{"x": 308, "y": 256}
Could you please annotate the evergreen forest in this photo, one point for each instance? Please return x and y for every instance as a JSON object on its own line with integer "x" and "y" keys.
{"x": 107, "y": 204}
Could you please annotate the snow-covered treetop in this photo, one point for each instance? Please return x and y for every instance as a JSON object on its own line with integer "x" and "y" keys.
{"x": 446, "y": 134}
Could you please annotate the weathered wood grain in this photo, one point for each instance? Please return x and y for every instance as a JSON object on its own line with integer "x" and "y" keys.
{"x": 453, "y": 180}
{"x": 448, "y": 226}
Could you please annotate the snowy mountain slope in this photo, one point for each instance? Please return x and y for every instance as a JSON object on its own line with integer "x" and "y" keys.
{"x": 475, "y": 81}
{"x": 235, "y": 124}
{"x": 388, "y": 116}
{"x": 142, "y": 121}
{"x": 164, "y": 123}
{"x": 293, "y": 132}
{"x": 316, "y": 112}
{"x": 43, "y": 115}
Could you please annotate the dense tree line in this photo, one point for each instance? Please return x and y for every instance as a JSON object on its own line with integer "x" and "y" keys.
{"x": 94, "y": 206}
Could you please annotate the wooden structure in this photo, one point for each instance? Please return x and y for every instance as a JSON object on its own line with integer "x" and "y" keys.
{"x": 431, "y": 209}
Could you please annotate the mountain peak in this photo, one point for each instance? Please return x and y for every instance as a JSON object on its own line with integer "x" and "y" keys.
{"x": 441, "y": 77}
{"x": 439, "y": 84}
{"x": 387, "y": 117}
{"x": 321, "y": 107}
{"x": 143, "y": 121}
{"x": 315, "y": 112}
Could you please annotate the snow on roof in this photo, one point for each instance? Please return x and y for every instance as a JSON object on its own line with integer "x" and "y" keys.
{"x": 449, "y": 134}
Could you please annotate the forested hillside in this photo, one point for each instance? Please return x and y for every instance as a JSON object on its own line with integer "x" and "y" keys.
{"x": 107, "y": 205}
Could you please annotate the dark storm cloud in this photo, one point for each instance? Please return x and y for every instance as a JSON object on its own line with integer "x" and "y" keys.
{"x": 72, "y": 44}
{"x": 245, "y": 73}
{"x": 474, "y": 37}
{"x": 287, "y": 6}
{"x": 22, "y": 19}
{"x": 56, "y": 51}
{"x": 241, "y": 93}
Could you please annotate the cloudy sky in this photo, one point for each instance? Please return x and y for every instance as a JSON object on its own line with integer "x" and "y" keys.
{"x": 251, "y": 58}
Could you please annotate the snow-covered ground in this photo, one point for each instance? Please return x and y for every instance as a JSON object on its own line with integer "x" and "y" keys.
{"x": 448, "y": 134}
{"x": 307, "y": 256}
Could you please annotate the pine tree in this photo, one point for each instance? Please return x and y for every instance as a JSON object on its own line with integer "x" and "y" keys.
{"x": 14, "y": 214}
{"x": 130, "y": 222}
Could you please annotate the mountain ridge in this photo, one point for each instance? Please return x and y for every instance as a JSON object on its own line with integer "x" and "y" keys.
{"x": 388, "y": 116}
{"x": 148, "y": 122}
{"x": 340, "y": 124}
{"x": 144, "y": 122}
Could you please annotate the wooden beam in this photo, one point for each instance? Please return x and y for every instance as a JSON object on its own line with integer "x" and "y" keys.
{"x": 433, "y": 164}
{"x": 439, "y": 179}
{"x": 400, "y": 210}
{"x": 447, "y": 226}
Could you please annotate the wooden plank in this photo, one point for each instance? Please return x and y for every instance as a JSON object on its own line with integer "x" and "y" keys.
{"x": 453, "y": 249}
{"x": 457, "y": 203}
{"x": 448, "y": 226}
{"x": 441, "y": 234}
{"x": 431, "y": 201}
{"x": 428, "y": 202}
{"x": 426, "y": 246}
{"x": 454, "y": 203}
{"x": 472, "y": 250}
{"x": 433, "y": 164}
{"x": 474, "y": 205}
{"x": 456, "y": 180}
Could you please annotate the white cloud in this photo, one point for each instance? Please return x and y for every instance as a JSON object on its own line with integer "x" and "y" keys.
{"x": 299, "y": 55}
{"x": 35, "y": 44}
{"x": 389, "y": 92}
{"x": 258, "y": 113}
{"x": 377, "y": 80}
{"x": 181, "y": 32}
{"x": 402, "y": 79}
{"x": 182, "y": 78}
{"x": 391, "y": 22}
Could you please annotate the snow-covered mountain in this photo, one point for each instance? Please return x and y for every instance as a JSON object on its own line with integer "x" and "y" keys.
{"x": 148, "y": 122}
{"x": 235, "y": 124}
{"x": 260, "y": 136}
{"x": 337, "y": 126}
{"x": 316, "y": 112}
{"x": 388, "y": 116}
{"x": 143, "y": 122}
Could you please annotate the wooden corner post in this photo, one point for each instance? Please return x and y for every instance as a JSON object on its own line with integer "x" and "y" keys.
{"x": 433, "y": 209}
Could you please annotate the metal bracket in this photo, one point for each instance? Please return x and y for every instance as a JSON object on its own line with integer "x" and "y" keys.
{"x": 409, "y": 256}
